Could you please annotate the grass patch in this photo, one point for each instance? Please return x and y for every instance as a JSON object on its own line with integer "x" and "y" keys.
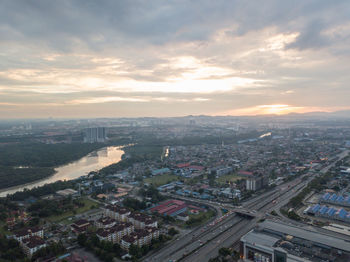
{"x": 161, "y": 179}
{"x": 199, "y": 219}
{"x": 64, "y": 217}
{"x": 3, "y": 230}
{"x": 230, "y": 178}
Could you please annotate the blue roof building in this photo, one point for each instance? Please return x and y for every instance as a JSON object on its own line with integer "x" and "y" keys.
{"x": 331, "y": 211}
{"x": 195, "y": 194}
{"x": 340, "y": 199}
{"x": 323, "y": 210}
{"x": 160, "y": 171}
{"x": 347, "y": 200}
{"x": 180, "y": 192}
{"x": 187, "y": 192}
{"x": 315, "y": 208}
{"x": 326, "y": 196}
{"x": 206, "y": 196}
{"x": 341, "y": 213}
{"x": 333, "y": 197}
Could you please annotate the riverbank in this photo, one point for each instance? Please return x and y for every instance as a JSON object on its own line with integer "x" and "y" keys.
{"x": 93, "y": 161}
{"x": 14, "y": 176}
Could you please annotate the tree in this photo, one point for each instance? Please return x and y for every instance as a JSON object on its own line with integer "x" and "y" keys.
{"x": 224, "y": 251}
{"x": 82, "y": 239}
{"x": 53, "y": 249}
{"x": 95, "y": 241}
{"x": 274, "y": 213}
{"x": 212, "y": 175}
{"x": 135, "y": 251}
{"x": 34, "y": 221}
{"x": 211, "y": 182}
{"x": 134, "y": 203}
{"x": 107, "y": 246}
{"x": 10, "y": 250}
{"x": 172, "y": 231}
{"x": 117, "y": 249}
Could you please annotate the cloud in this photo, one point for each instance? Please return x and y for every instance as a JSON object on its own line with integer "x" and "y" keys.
{"x": 311, "y": 37}
{"x": 140, "y": 55}
{"x": 106, "y": 100}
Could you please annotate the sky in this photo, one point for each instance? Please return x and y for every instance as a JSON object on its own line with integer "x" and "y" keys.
{"x": 133, "y": 58}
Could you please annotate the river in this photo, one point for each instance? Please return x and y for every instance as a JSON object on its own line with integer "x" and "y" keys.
{"x": 91, "y": 162}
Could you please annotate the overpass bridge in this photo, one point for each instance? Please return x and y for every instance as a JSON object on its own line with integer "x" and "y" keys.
{"x": 247, "y": 213}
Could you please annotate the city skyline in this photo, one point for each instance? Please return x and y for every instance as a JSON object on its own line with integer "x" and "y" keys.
{"x": 156, "y": 58}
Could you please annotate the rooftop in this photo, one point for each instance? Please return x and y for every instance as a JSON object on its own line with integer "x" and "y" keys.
{"x": 33, "y": 242}
{"x": 306, "y": 234}
{"x": 261, "y": 239}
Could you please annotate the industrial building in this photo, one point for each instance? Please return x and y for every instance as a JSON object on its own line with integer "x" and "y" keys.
{"x": 328, "y": 212}
{"x": 335, "y": 199}
{"x": 170, "y": 208}
{"x": 274, "y": 241}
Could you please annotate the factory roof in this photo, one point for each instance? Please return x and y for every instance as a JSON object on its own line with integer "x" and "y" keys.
{"x": 260, "y": 239}
{"x": 307, "y": 234}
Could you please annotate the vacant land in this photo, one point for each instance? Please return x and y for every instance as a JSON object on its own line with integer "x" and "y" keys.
{"x": 88, "y": 204}
{"x": 198, "y": 219}
{"x": 229, "y": 178}
{"x": 161, "y": 179}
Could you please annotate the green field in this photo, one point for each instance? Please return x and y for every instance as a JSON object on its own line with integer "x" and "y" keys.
{"x": 230, "y": 178}
{"x": 161, "y": 179}
{"x": 88, "y": 204}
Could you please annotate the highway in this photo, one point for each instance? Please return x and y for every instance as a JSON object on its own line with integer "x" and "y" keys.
{"x": 204, "y": 242}
{"x": 232, "y": 236}
{"x": 210, "y": 232}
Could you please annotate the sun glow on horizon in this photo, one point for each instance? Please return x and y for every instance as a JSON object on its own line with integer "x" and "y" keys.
{"x": 277, "y": 109}
{"x": 273, "y": 109}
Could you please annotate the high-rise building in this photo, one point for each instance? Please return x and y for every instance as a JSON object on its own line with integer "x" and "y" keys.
{"x": 95, "y": 134}
{"x": 256, "y": 182}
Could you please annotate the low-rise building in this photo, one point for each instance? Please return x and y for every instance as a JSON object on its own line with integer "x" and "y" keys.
{"x": 141, "y": 221}
{"x": 140, "y": 237}
{"x": 28, "y": 232}
{"x": 224, "y": 171}
{"x": 32, "y": 244}
{"x": 117, "y": 212}
{"x": 80, "y": 226}
{"x": 183, "y": 217}
{"x": 115, "y": 233}
{"x": 105, "y": 222}
{"x": 68, "y": 192}
{"x": 170, "y": 208}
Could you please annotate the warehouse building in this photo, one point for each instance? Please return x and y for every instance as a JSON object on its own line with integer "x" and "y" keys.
{"x": 274, "y": 241}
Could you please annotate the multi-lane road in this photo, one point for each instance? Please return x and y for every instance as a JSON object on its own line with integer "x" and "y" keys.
{"x": 214, "y": 233}
{"x": 204, "y": 242}
{"x": 233, "y": 234}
